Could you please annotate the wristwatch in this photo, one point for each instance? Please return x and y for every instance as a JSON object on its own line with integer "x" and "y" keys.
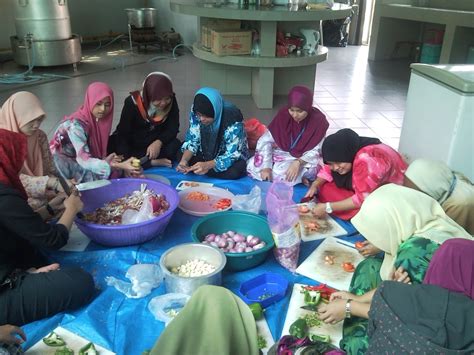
{"x": 348, "y": 308}
{"x": 328, "y": 207}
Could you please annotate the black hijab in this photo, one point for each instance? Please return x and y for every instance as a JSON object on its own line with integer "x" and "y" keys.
{"x": 342, "y": 147}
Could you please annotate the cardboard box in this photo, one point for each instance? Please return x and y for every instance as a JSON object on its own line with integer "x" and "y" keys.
{"x": 231, "y": 42}
{"x": 215, "y": 24}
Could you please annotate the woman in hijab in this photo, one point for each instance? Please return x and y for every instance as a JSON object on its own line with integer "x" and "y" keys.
{"x": 79, "y": 145}
{"x": 215, "y": 143}
{"x": 355, "y": 166}
{"x": 30, "y": 287}
{"x": 149, "y": 123}
{"x": 409, "y": 227}
{"x": 23, "y": 113}
{"x": 214, "y": 321}
{"x": 453, "y": 191}
{"x": 436, "y": 317}
{"x": 291, "y": 147}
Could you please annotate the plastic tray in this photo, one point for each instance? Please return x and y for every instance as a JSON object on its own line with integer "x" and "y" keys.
{"x": 265, "y": 289}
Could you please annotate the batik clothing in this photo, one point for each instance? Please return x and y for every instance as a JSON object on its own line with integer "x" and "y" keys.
{"x": 36, "y": 186}
{"x": 373, "y": 166}
{"x": 452, "y": 190}
{"x": 269, "y": 155}
{"x": 414, "y": 255}
{"x": 420, "y": 319}
{"x": 214, "y": 321}
{"x": 393, "y": 214}
{"x": 73, "y": 158}
{"x": 223, "y": 141}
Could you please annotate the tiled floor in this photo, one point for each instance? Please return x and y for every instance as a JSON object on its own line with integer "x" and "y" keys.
{"x": 365, "y": 96}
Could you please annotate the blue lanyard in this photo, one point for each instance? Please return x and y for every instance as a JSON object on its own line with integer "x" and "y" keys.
{"x": 298, "y": 137}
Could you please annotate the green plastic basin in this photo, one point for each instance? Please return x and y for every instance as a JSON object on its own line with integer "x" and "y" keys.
{"x": 241, "y": 222}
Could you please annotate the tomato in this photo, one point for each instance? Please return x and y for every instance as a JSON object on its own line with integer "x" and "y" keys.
{"x": 348, "y": 267}
{"x": 359, "y": 245}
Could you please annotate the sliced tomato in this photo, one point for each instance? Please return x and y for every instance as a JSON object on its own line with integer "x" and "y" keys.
{"x": 359, "y": 245}
{"x": 348, "y": 267}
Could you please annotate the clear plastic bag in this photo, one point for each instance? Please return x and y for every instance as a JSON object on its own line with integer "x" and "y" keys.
{"x": 166, "y": 307}
{"x": 143, "y": 214}
{"x": 250, "y": 202}
{"x": 283, "y": 220}
{"x": 144, "y": 278}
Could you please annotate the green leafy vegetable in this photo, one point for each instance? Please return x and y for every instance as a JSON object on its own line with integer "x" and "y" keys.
{"x": 261, "y": 342}
{"x": 299, "y": 328}
{"x": 64, "y": 351}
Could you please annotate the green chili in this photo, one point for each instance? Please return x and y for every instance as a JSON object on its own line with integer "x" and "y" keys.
{"x": 54, "y": 340}
{"x": 299, "y": 328}
{"x": 257, "y": 310}
{"x": 88, "y": 349}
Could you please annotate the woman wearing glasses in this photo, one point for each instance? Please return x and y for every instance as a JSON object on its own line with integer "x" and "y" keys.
{"x": 215, "y": 143}
{"x": 149, "y": 123}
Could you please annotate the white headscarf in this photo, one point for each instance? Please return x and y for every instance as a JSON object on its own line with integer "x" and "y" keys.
{"x": 432, "y": 177}
{"x": 393, "y": 214}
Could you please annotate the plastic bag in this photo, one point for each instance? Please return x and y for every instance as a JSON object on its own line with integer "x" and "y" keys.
{"x": 166, "y": 307}
{"x": 143, "y": 277}
{"x": 143, "y": 214}
{"x": 250, "y": 202}
{"x": 283, "y": 219}
{"x": 254, "y": 130}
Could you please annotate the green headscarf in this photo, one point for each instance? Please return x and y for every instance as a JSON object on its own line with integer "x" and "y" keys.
{"x": 214, "y": 321}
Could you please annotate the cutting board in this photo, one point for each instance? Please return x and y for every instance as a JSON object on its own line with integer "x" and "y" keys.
{"x": 264, "y": 331}
{"x": 333, "y": 275}
{"x": 73, "y": 341}
{"x": 295, "y": 312}
{"x": 330, "y": 228}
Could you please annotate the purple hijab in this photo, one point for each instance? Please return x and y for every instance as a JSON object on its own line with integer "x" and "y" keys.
{"x": 284, "y": 128}
{"x": 452, "y": 267}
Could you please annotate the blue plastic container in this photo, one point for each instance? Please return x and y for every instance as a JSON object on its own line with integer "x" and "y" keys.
{"x": 265, "y": 289}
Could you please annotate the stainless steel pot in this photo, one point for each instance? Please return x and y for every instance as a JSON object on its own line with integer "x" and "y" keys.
{"x": 141, "y": 18}
{"x": 182, "y": 253}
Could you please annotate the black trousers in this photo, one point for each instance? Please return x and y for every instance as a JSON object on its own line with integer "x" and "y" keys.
{"x": 234, "y": 172}
{"x": 36, "y": 296}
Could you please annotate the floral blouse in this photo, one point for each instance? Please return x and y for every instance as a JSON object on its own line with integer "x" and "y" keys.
{"x": 374, "y": 165}
{"x": 232, "y": 148}
{"x": 74, "y": 145}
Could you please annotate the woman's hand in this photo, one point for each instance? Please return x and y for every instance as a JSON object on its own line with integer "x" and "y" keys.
{"x": 153, "y": 150}
{"x": 202, "y": 167}
{"x": 319, "y": 210}
{"x": 333, "y": 312}
{"x": 10, "y": 334}
{"x": 47, "y": 268}
{"x": 183, "y": 167}
{"x": 342, "y": 295}
{"x": 57, "y": 202}
{"x": 400, "y": 275}
{"x": 266, "y": 174}
{"x": 368, "y": 249}
{"x": 128, "y": 168}
{"x": 74, "y": 203}
{"x": 313, "y": 189}
{"x": 113, "y": 158}
{"x": 293, "y": 170}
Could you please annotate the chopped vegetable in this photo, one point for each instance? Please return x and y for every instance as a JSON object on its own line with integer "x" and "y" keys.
{"x": 261, "y": 342}
{"x": 265, "y": 296}
{"x": 64, "y": 351}
{"x": 54, "y": 340}
{"x": 223, "y": 204}
{"x": 359, "y": 245}
{"x": 136, "y": 163}
{"x": 329, "y": 259}
{"x": 324, "y": 290}
{"x": 311, "y": 297}
{"x": 197, "y": 196}
{"x": 257, "y": 310}
{"x": 299, "y": 328}
{"x": 348, "y": 267}
{"x": 312, "y": 320}
{"x": 88, "y": 349}
{"x": 320, "y": 337}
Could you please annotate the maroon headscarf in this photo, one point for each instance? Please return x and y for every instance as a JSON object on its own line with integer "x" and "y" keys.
{"x": 284, "y": 128}
{"x": 156, "y": 86}
{"x": 452, "y": 267}
{"x": 13, "y": 151}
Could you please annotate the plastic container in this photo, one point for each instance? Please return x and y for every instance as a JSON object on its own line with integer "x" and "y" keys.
{"x": 241, "y": 222}
{"x": 265, "y": 289}
{"x": 163, "y": 307}
{"x": 121, "y": 235}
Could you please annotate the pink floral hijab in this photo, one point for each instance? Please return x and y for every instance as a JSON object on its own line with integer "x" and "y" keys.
{"x": 98, "y": 131}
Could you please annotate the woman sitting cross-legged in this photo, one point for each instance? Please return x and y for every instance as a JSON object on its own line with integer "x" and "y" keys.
{"x": 30, "y": 287}
{"x": 215, "y": 144}
{"x": 290, "y": 150}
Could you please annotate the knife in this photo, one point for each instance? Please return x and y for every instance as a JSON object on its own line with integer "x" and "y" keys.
{"x": 144, "y": 160}
{"x": 312, "y": 308}
{"x": 64, "y": 185}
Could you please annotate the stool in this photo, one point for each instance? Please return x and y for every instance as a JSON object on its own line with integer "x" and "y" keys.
{"x": 413, "y": 46}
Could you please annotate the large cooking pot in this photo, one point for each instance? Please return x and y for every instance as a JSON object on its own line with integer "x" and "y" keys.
{"x": 141, "y": 18}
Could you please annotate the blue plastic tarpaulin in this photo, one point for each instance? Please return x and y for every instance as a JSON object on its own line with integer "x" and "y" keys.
{"x": 125, "y": 325}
